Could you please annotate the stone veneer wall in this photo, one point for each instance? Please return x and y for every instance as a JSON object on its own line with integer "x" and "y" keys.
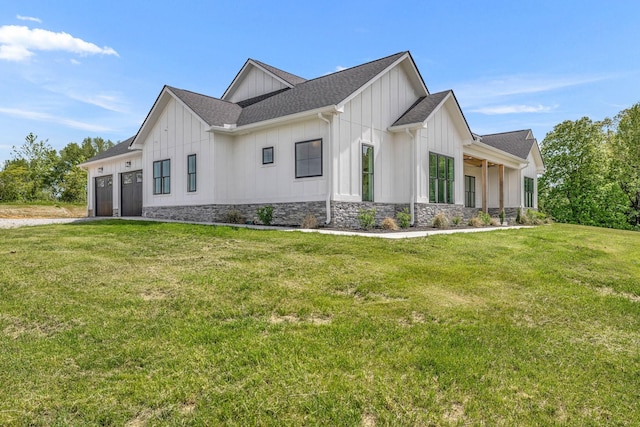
{"x": 510, "y": 214}
{"x": 343, "y": 214}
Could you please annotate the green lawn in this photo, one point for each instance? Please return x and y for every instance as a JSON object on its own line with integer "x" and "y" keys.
{"x": 135, "y": 323}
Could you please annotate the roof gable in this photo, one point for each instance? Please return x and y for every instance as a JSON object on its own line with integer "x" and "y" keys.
{"x": 281, "y": 79}
{"x": 212, "y": 111}
{"x": 325, "y": 91}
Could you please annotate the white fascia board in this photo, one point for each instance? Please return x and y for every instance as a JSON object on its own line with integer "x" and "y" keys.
{"x": 244, "y": 70}
{"x": 227, "y": 128}
{"x": 138, "y": 141}
{"x": 130, "y": 154}
{"x": 480, "y": 149}
{"x": 371, "y": 81}
{"x": 179, "y": 101}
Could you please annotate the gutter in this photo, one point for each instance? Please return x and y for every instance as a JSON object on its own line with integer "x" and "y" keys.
{"x": 329, "y": 170}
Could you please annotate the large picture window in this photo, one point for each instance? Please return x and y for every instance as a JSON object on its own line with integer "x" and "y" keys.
{"x": 528, "y": 192}
{"x": 367, "y": 173}
{"x": 309, "y": 158}
{"x": 162, "y": 177}
{"x": 441, "y": 179}
{"x": 191, "y": 173}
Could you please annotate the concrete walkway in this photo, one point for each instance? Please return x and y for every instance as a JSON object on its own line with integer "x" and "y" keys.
{"x": 408, "y": 234}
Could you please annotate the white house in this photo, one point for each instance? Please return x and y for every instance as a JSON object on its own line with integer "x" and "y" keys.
{"x": 368, "y": 136}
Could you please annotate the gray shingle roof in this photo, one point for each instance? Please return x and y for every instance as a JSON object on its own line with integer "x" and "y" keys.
{"x": 214, "y": 111}
{"x": 292, "y": 79}
{"x": 317, "y": 93}
{"x": 421, "y": 109}
{"x": 116, "y": 150}
{"x": 515, "y": 142}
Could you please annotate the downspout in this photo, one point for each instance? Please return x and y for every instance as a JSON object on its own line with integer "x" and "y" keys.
{"x": 413, "y": 156}
{"x": 329, "y": 169}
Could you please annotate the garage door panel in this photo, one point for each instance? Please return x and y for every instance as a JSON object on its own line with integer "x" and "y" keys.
{"x": 104, "y": 195}
{"x": 131, "y": 193}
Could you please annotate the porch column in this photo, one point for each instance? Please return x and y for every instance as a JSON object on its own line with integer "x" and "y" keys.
{"x": 501, "y": 176}
{"x": 484, "y": 179}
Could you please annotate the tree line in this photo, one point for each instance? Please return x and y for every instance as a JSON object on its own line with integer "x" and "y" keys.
{"x": 37, "y": 172}
{"x": 592, "y": 172}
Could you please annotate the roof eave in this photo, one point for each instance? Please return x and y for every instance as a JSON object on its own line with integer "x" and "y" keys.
{"x": 232, "y": 128}
{"x": 501, "y": 153}
{"x": 131, "y": 153}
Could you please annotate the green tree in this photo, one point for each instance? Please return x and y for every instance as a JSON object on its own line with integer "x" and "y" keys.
{"x": 41, "y": 160}
{"x": 576, "y": 187}
{"x": 15, "y": 182}
{"x": 625, "y": 153}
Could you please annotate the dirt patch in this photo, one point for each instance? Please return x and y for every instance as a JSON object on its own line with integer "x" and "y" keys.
{"x": 314, "y": 319}
{"x": 46, "y": 211}
{"x": 606, "y": 291}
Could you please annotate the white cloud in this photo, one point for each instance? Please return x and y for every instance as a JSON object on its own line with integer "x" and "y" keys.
{"x": 46, "y": 117}
{"x": 513, "y": 109}
{"x": 29, "y": 18}
{"x": 107, "y": 101}
{"x": 75, "y": 61}
{"x": 17, "y": 43}
{"x": 484, "y": 91}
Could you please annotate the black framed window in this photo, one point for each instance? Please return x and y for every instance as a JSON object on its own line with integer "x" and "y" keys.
{"x": 309, "y": 158}
{"x": 191, "y": 173}
{"x": 528, "y": 192}
{"x": 469, "y": 191}
{"x": 162, "y": 177}
{"x": 367, "y": 173}
{"x": 267, "y": 155}
{"x": 441, "y": 179}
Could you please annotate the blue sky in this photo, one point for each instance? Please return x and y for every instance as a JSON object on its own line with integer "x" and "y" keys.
{"x": 72, "y": 69}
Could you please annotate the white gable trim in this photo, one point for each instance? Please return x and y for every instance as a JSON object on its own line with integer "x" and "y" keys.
{"x": 163, "y": 99}
{"x": 398, "y": 61}
{"x": 244, "y": 71}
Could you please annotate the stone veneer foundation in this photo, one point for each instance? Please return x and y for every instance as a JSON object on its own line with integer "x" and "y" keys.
{"x": 343, "y": 214}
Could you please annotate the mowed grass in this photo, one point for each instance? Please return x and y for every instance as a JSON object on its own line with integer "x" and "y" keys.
{"x": 137, "y": 323}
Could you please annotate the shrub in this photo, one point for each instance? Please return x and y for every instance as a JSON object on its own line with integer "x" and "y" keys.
{"x": 535, "y": 218}
{"x": 389, "y": 224}
{"x": 485, "y": 218}
{"x": 367, "y": 218}
{"x": 475, "y": 222}
{"x": 440, "y": 221}
{"x": 502, "y": 217}
{"x": 309, "y": 222}
{"x": 404, "y": 218}
{"x": 234, "y": 217}
{"x": 456, "y": 220}
{"x": 494, "y": 222}
{"x": 519, "y": 216}
{"x": 265, "y": 213}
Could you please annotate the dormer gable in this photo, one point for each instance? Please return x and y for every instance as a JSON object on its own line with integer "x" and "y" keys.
{"x": 256, "y": 78}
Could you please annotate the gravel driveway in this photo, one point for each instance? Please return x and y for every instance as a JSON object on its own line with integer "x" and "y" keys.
{"x": 27, "y": 222}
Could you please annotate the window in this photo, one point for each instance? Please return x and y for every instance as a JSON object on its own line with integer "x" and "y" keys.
{"x": 441, "y": 179}
{"x": 309, "y": 158}
{"x": 267, "y": 155}
{"x": 162, "y": 177}
{"x": 469, "y": 191}
{"x": 191, "y": 173}
{"x": 528, "y": 192}
{"x": 367, "y": 173}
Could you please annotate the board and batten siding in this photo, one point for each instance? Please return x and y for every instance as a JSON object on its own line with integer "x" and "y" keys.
{"x": 365, "y": 120}
{"x": 111, "y": 166}
{"x": 252, "y": 182}
{"x": 175, "y": 135}
{"x": 441, "y": 137}
{"x": 255, "y": 83}
{"x": 530, "y": 172}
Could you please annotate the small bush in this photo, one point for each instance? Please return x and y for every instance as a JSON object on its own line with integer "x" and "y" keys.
{"x": 456, "y": 220}
{"x": 475, "y": 222}
{"x": 494, "y": 222}
{"x": 367, "y": 218}
{"x": 519, "y": 216}
{"x": 535, "y": 218}
{"x": 265, "y": 213}
{"x": 502, "y": 217}
{"x": 389, "y": 224}
{"x": 234, "y": 217}
{"x": 485, "y": 218}
{"x": 440, "y": 221}
{"x": 309, "y": 222}
{"x": 404, "y": 218}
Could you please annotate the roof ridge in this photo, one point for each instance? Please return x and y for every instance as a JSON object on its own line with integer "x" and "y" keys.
{"x": 200, "y": 94}
{"x": 356, "y": 66}
{"x": 505, "y": 132}
{"x": 279, "y": 70}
